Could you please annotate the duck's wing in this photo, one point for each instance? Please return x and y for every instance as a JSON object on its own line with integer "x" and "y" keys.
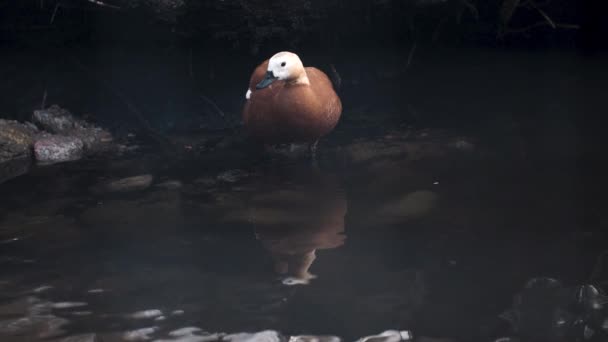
{"x": 324, "y": 91}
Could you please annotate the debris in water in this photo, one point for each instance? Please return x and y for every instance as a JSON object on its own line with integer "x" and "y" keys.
{"x": 177, "y": 312}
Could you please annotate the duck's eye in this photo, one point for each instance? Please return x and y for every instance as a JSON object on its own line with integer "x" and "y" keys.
{"x": 283, "y": 64}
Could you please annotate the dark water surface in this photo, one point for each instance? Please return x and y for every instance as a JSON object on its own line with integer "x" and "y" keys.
{"x": 485, "y": 225}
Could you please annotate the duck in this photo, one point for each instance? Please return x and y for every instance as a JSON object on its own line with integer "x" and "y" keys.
{"x": 287, "y": 103}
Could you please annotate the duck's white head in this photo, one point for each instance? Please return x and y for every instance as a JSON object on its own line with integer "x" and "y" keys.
{"x": 284, "y": 66}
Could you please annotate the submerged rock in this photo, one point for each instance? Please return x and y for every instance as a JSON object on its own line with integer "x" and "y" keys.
{"x": 55, "y": 149}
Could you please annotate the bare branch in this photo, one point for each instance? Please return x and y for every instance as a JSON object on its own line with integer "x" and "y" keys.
{"x": 55, "y": 12}
{"x": 547, "y": 18}
{"x": 213, "y": 105}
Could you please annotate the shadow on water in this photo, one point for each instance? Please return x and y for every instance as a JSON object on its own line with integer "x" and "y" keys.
{"x": 472, "y": 233}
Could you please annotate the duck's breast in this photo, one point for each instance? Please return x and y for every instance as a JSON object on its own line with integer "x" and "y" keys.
{"x": 289, "y": 113}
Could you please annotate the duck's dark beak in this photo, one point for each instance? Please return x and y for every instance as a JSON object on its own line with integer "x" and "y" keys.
{"x": 269, "y": 78}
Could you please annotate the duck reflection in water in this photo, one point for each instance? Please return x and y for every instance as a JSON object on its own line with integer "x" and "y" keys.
{"x": 295, "y": 218}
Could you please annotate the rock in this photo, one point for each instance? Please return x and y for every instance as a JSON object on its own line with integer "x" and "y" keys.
{"x": 135, "y": 183}
{"x": 56, "y": 149}
{"x": 94, "y": 139}
{"x": 16, "y": 139}
{"x": 56, "y": 120}
{"x": 60, "y": 121}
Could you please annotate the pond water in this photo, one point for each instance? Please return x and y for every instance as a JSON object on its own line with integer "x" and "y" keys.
{"x": 483, "y": 226}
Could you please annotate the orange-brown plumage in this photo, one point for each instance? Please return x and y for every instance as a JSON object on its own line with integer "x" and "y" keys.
{"x": 297, "y": 109}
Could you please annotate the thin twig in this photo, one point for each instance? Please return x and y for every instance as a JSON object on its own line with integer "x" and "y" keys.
{"x": 191, "y": 69}
{"x": 547, "y": 18}
{"x": 55, "y": 12}
{"x": 215, "y": 107}
{"x": 410, "y": 56}
{"x": 43, "y": 103}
